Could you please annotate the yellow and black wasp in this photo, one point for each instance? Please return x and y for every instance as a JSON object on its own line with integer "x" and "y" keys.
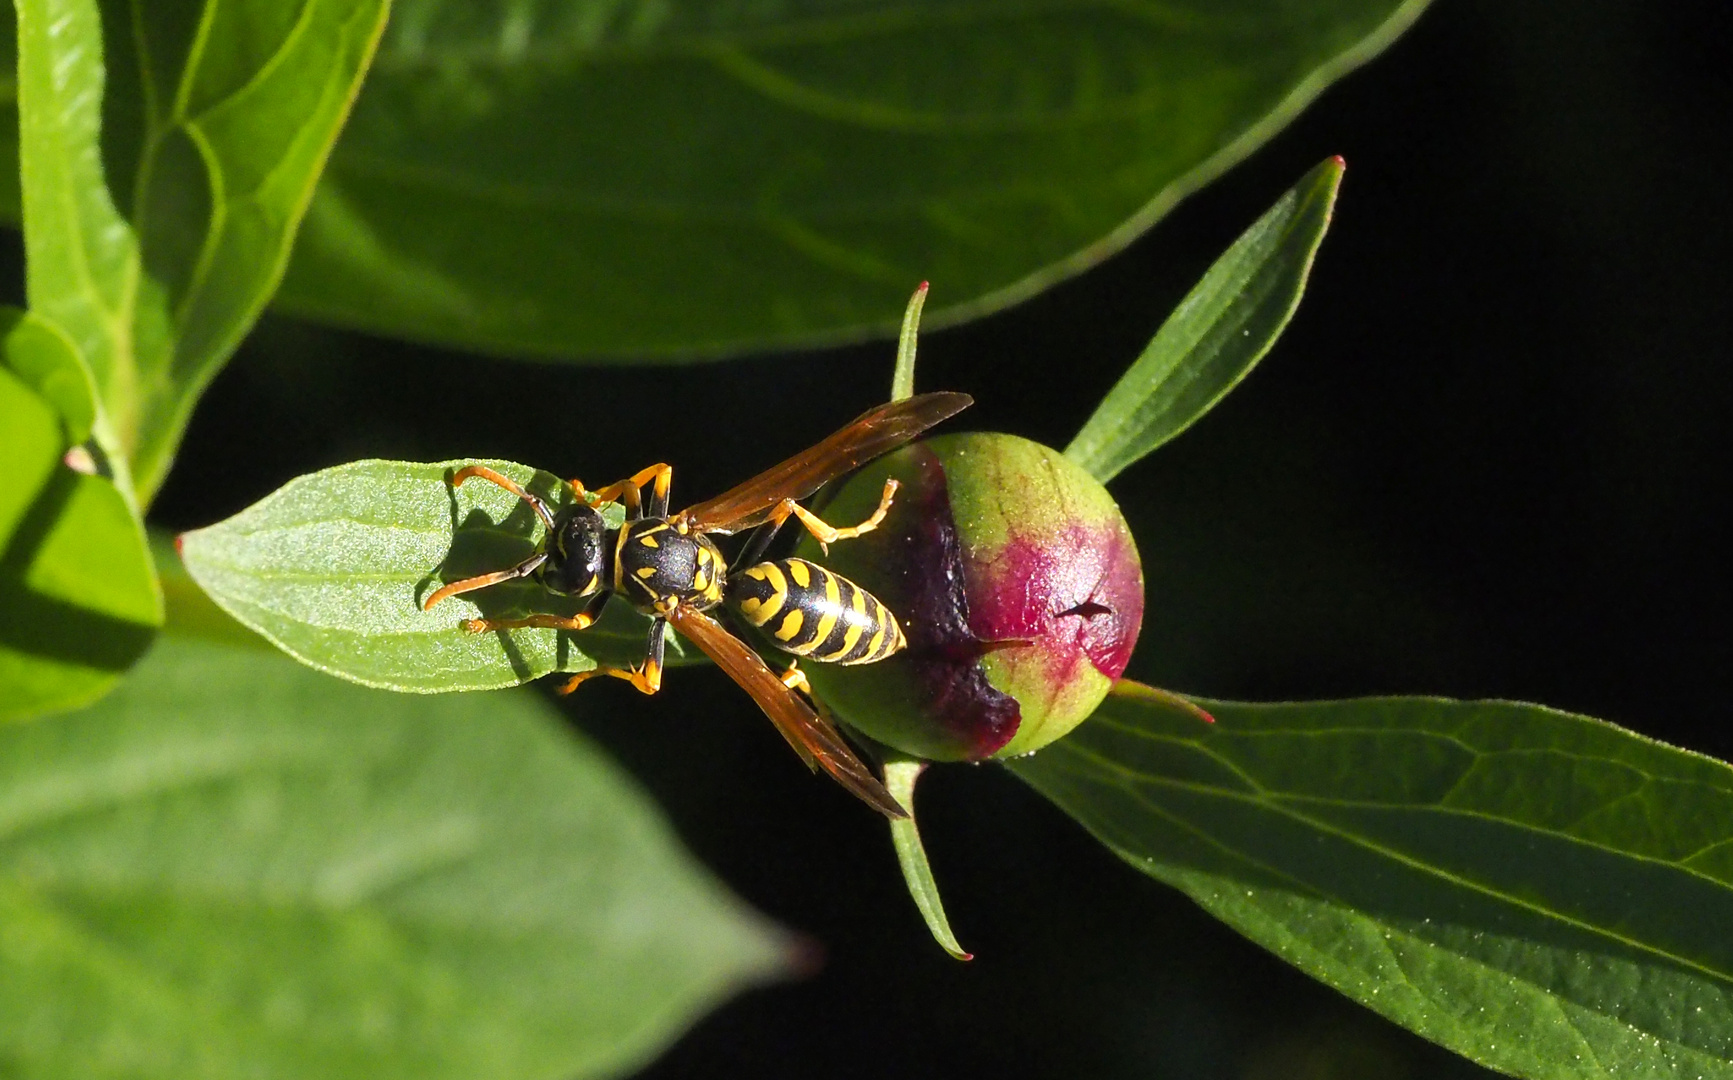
{"x": 668, "y": 568}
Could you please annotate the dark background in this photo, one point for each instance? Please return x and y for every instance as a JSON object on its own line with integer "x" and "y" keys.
{"x": 1487, "y": 459}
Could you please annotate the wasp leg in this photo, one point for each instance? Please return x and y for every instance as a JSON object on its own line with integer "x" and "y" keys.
{"x": 795, "y": 679}
{"x": 647, "y": 677}
{"x": 581, "y": 621}
{"x": 627, "y": 492}
{"x": 757, "y": 542}
{"x": 523, "y": 569}
{"x": 825, "y": 533}
{"x": 540, "y": 507}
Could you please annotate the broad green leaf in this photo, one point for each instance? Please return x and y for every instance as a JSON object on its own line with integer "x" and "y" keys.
{"x": 1218, "y": 333}
{"x": 1544, "y": 893}
{"x": 165, "y": 169}
{"x": 669, "y": 179}
{"x": 234, "y": 866}
{"x": 78, "y": 599}
{"x": 333, "y": 566}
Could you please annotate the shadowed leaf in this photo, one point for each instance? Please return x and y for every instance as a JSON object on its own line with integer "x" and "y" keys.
{"x": 1218, "y": 333}
{"x": 670, "y": 180}
{"x": 234, "y": 866}
{"x": 79, "y": 601}
{"x": 1544, "y": 893}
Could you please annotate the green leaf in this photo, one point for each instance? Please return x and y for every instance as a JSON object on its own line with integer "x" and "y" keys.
{"x": 234, "y": 866}
{"x": 1218, "y": 333}
{"x": 217, "y": 124}
{"x": 78, "y": 598}
{"x": 188, "y": 611}
{"x": 11, "y": 197}
{"x": 900, "y": 776}
{"x": 903, "y": 377}
{"x": 333, "y": 566}
{"x": 693, "y": 179}
{"x": 1544, "y": 893}
{"x": 81, "y": 256}
{"x": 41, "y": 354}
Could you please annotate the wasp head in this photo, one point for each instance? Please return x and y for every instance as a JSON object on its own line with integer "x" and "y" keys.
{"x": 577, "y": 550}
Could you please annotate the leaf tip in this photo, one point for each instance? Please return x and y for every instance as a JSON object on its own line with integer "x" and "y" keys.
{"x": 1133, "y": 689}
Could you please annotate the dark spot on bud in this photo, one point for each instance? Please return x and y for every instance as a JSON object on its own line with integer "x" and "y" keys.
{"x": 923, "y": 568}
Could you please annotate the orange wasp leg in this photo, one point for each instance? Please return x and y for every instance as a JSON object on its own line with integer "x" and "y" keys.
{"x": 795, "y": 679}
{"x": 825, "y": 533}
{"x": 581, "y": 621}
{"x": 647, "y": 677}
{"x": 628, "y": 493}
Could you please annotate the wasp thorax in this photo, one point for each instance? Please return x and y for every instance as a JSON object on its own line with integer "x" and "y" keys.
{"x": 577, "y": 551}
{"x": 1018, "y": 587}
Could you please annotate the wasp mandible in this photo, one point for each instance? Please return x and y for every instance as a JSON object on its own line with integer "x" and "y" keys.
{"x": 667, "y": 567}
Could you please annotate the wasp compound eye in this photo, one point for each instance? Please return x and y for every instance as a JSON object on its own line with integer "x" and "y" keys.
{"x": 1018, "y": 587}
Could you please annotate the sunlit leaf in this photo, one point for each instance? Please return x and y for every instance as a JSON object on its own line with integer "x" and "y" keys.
{"x": 1544, "y": 893}
{"x": 234, "y": 866}
{"x": 78, "y": 598}
{"x": 41, "y": 355}
{"x": 163, "y": 180}
{"x": 334, "y": 565}
{"x": 1218, "y": 333}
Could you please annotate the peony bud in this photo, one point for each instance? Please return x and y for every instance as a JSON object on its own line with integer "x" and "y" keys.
{"x": 1017, "y": 584}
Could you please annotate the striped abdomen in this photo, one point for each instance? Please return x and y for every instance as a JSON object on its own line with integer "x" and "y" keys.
{"x": 806, "y": 610}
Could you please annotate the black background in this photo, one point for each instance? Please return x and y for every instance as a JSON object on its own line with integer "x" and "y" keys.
{"x": 1488, "y": 458}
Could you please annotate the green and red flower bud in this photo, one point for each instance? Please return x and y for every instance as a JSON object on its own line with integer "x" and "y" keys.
{"x": 1017, "y": 584}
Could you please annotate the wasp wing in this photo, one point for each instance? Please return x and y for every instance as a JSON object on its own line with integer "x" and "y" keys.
{"x": 874, "y": 432}
{"x": 812, "y": 737}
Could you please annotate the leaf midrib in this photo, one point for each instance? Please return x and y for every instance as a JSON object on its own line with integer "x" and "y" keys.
{"x": 1649, "y": 778}
{"x": 1294, "y": 940}
{"x": 1373, "y": 846}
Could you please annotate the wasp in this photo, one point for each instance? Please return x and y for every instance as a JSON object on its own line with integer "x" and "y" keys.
{"x": 667, "y": 567}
